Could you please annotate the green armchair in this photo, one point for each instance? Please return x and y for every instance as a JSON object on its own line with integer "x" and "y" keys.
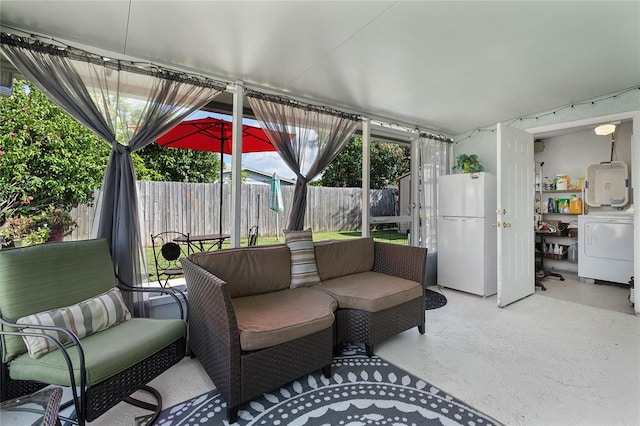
{"x": 92, "y": 344}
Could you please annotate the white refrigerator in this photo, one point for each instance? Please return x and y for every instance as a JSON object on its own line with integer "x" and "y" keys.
{"x": 467, "y": 241}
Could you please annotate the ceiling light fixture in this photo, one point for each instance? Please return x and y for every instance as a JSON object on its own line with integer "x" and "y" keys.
{"x": 605, "y": 129}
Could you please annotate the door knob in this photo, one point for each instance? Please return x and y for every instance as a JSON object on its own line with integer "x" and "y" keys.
{"x": 496, "y": 224}
{"x": 506, "y": 225}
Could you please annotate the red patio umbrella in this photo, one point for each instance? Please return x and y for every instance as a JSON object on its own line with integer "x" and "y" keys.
{"x": 214, "y": 134}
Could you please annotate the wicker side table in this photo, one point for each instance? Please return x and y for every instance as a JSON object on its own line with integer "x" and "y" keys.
{"x": 38, "y": 408}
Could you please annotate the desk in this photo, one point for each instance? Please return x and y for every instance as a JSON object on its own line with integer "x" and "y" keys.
{"x": 38, "y": 408}
{"x": 199, "y": 242}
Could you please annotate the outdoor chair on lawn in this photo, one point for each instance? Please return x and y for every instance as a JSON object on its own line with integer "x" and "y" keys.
{"x": 108, "y": 355}
{"x": 167, "y": 254}
{"x": 253, "y": 236}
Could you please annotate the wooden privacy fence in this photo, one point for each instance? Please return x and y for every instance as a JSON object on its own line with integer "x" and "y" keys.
{"x": 194, "y": 208}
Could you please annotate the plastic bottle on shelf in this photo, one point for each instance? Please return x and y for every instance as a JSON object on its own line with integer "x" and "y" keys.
{"x": 547, "y": 184}
{"x": 572, "y": 251}
{"x": 551, "y": 206}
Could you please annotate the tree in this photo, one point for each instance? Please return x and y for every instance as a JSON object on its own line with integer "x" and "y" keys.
{"x": 180, "y": 165}
{"x": 388, "y": 162}
{"x": 46, "y": 157}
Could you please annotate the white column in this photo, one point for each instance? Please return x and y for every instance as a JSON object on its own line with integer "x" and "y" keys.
{"x": 236, "y": 163}
{"x": 366, "y": 175}
{"x": 415, "y": 192}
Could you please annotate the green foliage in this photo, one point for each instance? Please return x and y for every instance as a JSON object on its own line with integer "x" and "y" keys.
{"x": 388, "y": 162}
{"x": 178, "y": 165}
{"x": 468, "y": 163}
{"x": 46, "y": 156}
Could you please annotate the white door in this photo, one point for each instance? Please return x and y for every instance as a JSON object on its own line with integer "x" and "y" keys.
{"x": 515, "y": 190}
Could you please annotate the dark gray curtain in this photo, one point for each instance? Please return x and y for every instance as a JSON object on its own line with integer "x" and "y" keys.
{"x": 308, "y": 138}
{"x": 129, "y": 105}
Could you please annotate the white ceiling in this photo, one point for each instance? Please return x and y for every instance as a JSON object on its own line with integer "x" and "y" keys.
{"x": 449, "y": 66}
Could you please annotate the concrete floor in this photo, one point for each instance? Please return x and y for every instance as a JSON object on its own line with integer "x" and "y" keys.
{"x": 600, "y": 294}
{"x": 540, "y": 361}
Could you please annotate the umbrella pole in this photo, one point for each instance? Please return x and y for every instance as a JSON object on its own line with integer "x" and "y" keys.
{"x": 221, "y": 171}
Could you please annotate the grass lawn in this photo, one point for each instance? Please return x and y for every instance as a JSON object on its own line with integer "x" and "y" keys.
{"x": 386, "y": 235}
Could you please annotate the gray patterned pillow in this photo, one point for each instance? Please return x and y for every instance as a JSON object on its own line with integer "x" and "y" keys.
{"x": 304, "y": 271}
{"x": 85, "y": 318}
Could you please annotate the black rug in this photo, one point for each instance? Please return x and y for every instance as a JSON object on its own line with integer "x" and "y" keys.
{"x": 361, "y": 391}
{"x": 434, "y": 299}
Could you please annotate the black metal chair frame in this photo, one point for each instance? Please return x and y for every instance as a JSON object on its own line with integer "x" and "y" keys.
{"x": 111, "y": 390}
{"x": 167, "y": 254}
{"x": 253, "y": 236}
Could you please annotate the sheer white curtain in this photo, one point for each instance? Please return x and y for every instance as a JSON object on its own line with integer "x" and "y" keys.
{"x": 307, "y": 138}
{"x": 129, "y": 105}
{"x": 435, "y": 160}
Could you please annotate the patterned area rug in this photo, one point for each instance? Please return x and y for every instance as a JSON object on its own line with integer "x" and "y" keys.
{"x": 433, "y": 299}
{"x": 362, "y": 391}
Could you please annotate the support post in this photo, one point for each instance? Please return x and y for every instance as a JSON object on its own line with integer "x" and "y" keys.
{"x": 236, "y": 163}
{"x": 366, "y": 175}
{"x": 415, "y": 192}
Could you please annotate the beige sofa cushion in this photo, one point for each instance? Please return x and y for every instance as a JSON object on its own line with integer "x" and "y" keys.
{"x": 343, "y": 257}
{"x": 249, "y": 270}
{"x": 274, "y": 318}
{"x": 370, "y": 291}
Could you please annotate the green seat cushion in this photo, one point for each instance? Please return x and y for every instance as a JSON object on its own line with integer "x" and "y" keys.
{"x": 106, "y": 353}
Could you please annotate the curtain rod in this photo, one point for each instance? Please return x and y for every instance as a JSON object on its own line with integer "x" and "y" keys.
{"x": 115, "y": 64}
{"x": 146, "y": 68}
{"x": 283, "y": 100}
{"x": 436, "y": 137}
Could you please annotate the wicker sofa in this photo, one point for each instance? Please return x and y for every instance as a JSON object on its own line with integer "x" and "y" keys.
{"x": 253, "y": 333}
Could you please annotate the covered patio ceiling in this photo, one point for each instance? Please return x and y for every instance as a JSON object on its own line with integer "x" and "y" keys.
{"x": 444, "y": 66}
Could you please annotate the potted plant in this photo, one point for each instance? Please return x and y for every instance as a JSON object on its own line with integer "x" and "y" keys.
{"x": 59, "y": 222}
{"x": 23, "y": 231}
{"x": 468, "y": 163}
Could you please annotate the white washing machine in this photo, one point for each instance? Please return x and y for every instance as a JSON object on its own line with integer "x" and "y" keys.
{"x": 605, "y": 247}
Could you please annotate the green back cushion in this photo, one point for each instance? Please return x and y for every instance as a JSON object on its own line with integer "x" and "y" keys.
{"x": 48, "y": 276}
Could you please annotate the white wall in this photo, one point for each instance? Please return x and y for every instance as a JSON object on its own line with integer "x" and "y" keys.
{"x": 570, "y": 154}
{"x": 483, "y": 142}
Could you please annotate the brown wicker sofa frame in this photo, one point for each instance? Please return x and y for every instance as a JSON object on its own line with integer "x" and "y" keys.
{"x": 241, "y": 376}
{"x": 214, "y": 339}
{"x": 370, "y": 328}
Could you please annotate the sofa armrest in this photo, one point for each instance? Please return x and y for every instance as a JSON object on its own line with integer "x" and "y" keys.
{"x": 214, "y": 337}
{"x": 400, "y": 261}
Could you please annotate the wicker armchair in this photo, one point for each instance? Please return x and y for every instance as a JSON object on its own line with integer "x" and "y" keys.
{"x": 102, "y": 368}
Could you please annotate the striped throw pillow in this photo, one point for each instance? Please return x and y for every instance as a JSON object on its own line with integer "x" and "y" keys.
{"x": 304, "y": 271}
{"x": 85, "y": 318}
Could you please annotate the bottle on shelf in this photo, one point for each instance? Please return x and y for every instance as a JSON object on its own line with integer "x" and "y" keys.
{"x": 551, "y": 206}
{"x": 547, "y": 184}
